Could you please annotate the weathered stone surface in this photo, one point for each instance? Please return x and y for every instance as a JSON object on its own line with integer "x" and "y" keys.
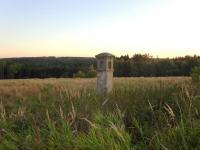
{"x": 105, "y": 72}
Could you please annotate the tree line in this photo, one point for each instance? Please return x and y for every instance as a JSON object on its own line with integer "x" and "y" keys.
{"x": 147, "y": 66}
{"x": 124, "y": 66}
{"x": 43, "y": 67}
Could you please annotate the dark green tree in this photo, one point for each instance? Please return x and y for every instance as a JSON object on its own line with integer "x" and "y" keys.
{"x": 2, "y": 69}
{"x": 13, "y": 70}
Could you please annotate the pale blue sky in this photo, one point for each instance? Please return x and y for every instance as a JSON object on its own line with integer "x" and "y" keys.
{"x": 164, "y": 28}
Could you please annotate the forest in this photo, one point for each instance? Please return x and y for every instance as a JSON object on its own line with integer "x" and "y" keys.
{"x": 138, "y": 65}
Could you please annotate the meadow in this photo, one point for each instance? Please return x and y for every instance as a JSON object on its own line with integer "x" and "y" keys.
{"x": 68, "y": 114}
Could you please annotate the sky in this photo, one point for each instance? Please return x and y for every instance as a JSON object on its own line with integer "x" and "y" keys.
{"x": 84, "y": 28}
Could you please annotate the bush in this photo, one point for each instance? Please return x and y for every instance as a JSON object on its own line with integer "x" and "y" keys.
{"x": 79, "y": 74}
{"x": 195, "y": 74}
{"x": 91, "y": 74}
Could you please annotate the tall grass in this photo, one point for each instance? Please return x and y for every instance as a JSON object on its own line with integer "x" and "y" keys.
{"x": 140, "y": 113}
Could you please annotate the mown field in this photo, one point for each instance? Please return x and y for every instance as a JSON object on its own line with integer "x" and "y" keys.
{"x": 68, "y": 114}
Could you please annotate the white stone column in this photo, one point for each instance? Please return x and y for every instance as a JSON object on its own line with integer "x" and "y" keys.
{"x": 105, "y": 70}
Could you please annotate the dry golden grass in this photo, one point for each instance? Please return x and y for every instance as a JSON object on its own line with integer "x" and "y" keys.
{"x": 31, "y": 87}
{"x": 23, "y": 89}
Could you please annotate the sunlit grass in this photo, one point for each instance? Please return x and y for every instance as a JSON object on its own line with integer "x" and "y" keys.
{"x": 140, "y": 113}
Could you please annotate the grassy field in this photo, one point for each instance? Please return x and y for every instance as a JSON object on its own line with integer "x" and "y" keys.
{"x": 140, "y": 113}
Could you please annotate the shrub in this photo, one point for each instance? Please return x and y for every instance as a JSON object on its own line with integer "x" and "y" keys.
{"x": 195, "y": 74}
{"x": 91, "y": 74}
{"x": 79, "y": 74}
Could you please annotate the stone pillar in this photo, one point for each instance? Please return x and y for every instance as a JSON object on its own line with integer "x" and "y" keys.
{"x": 105, "y": 70}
